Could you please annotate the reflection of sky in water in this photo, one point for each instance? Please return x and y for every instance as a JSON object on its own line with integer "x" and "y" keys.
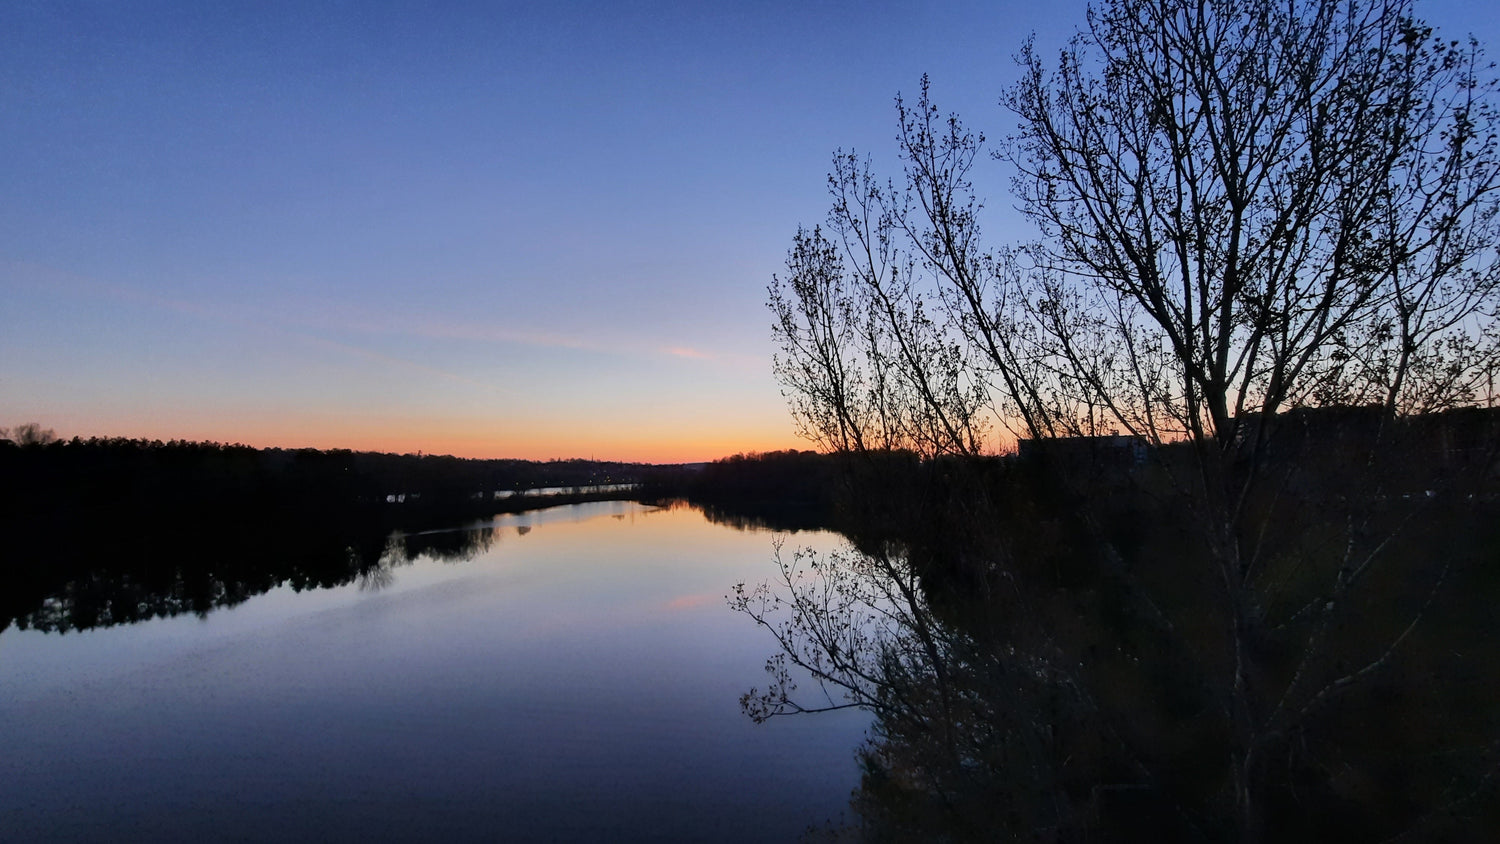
{"x": 577, "y": 680}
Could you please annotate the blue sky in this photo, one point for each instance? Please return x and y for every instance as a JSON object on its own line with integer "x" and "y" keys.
{"x": 535, "y": 230}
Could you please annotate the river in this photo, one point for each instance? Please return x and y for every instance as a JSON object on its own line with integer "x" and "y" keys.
{"x": 573, "y": 676}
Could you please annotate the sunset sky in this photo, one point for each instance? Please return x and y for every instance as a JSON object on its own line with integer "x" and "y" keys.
{"x": 492, "y": 229}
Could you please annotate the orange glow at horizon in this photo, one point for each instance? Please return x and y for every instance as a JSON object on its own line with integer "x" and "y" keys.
{"x": 465, "y": 438}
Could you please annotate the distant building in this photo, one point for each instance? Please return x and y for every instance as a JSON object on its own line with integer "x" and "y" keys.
{"x": 1465, "y": 436}
{"x": 1456, "y": 437}
{"x": 1337, "y": 431}
{"x": 1113, "y": 451}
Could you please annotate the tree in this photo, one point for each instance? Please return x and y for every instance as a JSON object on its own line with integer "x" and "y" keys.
{"x": 1245, "y": 207}
{"x": 1293, "y": 202}
{"x": 29, "y": 434}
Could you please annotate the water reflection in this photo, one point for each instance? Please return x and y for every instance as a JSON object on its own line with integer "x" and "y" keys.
{"x": 759, "y": 514}
{"x": 105, "y": 578}
{"x": 974, "y": 738}
{"x": 574, "y": 679}
{"x": 108, "y": 575}
{"x": 1075, "y": 693}
{"x": 166, "y": 579}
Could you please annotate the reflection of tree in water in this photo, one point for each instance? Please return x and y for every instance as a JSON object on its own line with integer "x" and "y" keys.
{"x": 455, "y": 545}
{"x": 755, "y": 514}
{"x": 106, "y": 531}
{"x": 377, "y": 577}
{"x": 382, "y": 574}
{"x": 136, "y": 573}
{"x": 1076, "y": 691}
{"x": 966, "y": 739}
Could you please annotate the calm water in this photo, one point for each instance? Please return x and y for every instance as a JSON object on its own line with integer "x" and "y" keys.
{"x": 576, "y": 680}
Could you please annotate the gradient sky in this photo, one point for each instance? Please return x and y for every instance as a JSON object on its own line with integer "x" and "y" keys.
{"x": 493, "y": 230}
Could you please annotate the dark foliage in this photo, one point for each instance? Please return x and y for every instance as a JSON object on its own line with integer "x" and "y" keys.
{"x": 783, "y": 490}
{"x": 1060, "y": 671}
{"x": 104, "y": 531}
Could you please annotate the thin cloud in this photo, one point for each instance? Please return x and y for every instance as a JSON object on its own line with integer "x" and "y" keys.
{"x": 688, "y": 602}
{"x": 382, "y": 357}
{"x": 481, "y": 333}
{"x": 249, "y": 316}
{"x": 317, "y": 323}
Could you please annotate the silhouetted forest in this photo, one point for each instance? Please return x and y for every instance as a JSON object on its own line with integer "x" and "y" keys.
{"x": 1055, "y": 658}
{"x": 1045, "y": 652}
{"x": 1236, "y": 586}
{"x": 779, "y": 490}
{"x": 104, "y": 531}
{"x": 109, "y": 531}
{"x": 144, "y": 473}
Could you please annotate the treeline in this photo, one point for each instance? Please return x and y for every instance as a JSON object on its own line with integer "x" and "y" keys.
{"x": 80, "y": 471}
{"x": 782, "y": 490}
{"x": 106, "y": 531}
{"x": 100, "y": 531}
{"x": 1063, "y": 662}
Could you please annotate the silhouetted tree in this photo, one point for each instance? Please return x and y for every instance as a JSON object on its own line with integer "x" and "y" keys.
{"x": 1245, "y": 207}
{"x": 28, "y": 434}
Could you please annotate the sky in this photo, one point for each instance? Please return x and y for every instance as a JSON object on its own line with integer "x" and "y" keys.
{"x": 532, "y": 230}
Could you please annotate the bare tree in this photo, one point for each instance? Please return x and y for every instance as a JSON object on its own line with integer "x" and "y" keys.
{"x": 1296, "y": 200}
{"x": 29, "y": 434}
{"x": 1244, "y": 207}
